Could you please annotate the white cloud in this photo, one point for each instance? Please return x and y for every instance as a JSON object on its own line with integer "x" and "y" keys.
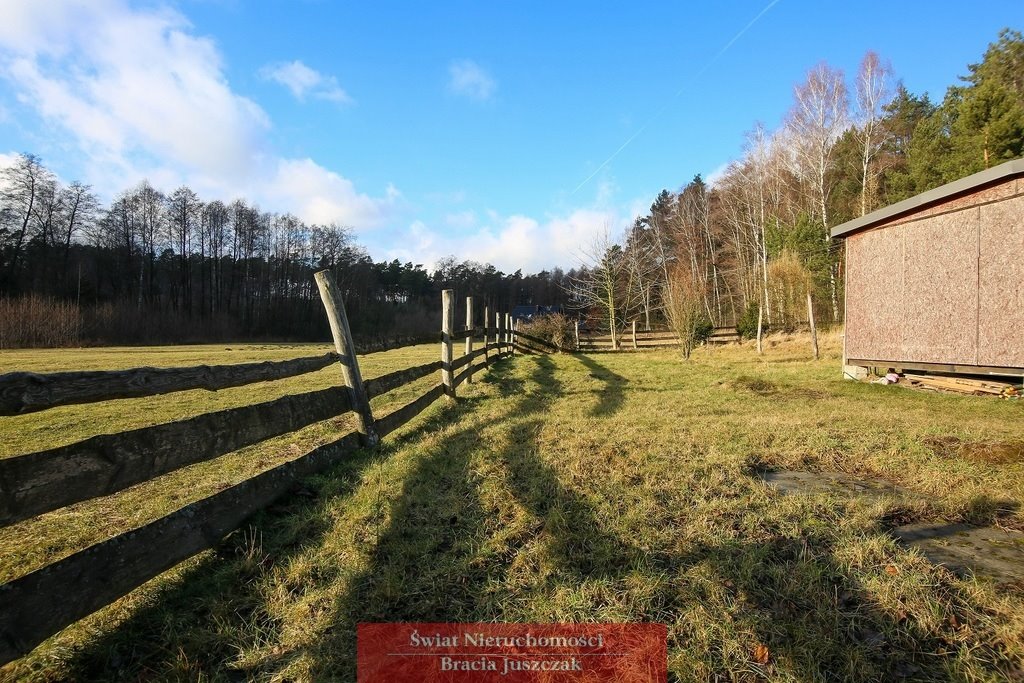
{"x": 126, "y": 82}
{"x": 138, "y": 95}
{"x": 469, "y": 79}
{"x": 304, "y": 81}
{"x": 318, "y": 195}
{"x": 510, "y": 243}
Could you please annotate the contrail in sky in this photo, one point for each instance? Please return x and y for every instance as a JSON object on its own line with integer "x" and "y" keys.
{"x": 678, "y": 93}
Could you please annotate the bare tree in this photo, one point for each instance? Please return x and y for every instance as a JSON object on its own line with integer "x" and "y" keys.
{"x": 151, "y": 206}
{"x": 642, "y": 272}
{"x": 874, "y": 92}
{"x": 183, "y": 207}
{"x": 80, "y": 209}
{"x": 818, "y": 117}
{"x": 20, "y": 186}
{"x": 599, "y": 284}
{"x": 217, "y": 237}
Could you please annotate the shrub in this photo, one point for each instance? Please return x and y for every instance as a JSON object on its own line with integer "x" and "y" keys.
{"x": 556, "y": 328}
{"x": 747, "y": 324}
{"x": 36, "y": 321}
{"x": 686, "y": 314}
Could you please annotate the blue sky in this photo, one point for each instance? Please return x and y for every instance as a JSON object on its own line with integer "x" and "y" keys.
{"x": 440, "y": 128}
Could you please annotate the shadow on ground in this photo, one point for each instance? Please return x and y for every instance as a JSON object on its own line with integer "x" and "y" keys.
{"x": 445, "y": 554}
{"x": 611, "y": 394}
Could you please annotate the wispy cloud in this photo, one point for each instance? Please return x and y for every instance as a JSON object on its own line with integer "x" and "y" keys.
{"x": 305, "y": 82}
{"x": 468, "y": 79}
{"x": 135, "y": 93}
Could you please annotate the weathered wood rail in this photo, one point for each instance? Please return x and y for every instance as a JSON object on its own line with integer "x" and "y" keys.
{"x": 632, "y": 339}
{"x": 27, "y": 392}
{"x": 38, "y": 604}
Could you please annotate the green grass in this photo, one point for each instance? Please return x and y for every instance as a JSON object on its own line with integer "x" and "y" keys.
{"x": 609, "y": 487}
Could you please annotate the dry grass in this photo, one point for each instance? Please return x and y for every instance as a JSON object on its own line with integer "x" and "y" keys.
{"x": 610, "y": 487}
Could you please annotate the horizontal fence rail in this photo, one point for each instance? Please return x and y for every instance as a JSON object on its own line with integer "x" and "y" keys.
{"x": 40, "y": 482}
{"x": 26, "y": 392}
{"x": 537, "y": 340}
{"x": 393, "y": 380}
{"x": 38, "y": 604}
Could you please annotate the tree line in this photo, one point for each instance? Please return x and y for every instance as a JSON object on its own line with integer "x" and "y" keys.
{"x": 751, "y": 244}
{"x": 153, "y": 267}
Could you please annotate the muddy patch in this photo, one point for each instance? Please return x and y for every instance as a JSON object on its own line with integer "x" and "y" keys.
{"x": 744, "y": 384}
{"x": 963, "y": 549}
{"x": 793, "y": 481}
{"x": 755, "y": 385}
{"x": 994, "y": 452}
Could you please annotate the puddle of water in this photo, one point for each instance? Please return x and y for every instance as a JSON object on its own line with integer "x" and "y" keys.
{"x": 961, "y": 547}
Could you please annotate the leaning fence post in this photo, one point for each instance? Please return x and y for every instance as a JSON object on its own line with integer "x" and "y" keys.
{"x": 447, "y": 326}
{"x": 469, "y": 339}
{"x": 487, "y": 315}
{"x": 335, "y": 307}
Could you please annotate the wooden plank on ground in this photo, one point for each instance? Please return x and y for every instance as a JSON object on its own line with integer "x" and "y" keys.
{"x": 47, "y": 480}
{"x": 26, "y": 392}
{"x": 39, "y": 604}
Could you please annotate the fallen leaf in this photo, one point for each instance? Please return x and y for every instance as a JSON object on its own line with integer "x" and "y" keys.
{"x": 761, "y": 654}
{"x": 892, "y": 570}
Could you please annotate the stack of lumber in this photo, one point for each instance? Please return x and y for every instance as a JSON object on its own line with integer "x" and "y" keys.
{"x": 962, "y": 385}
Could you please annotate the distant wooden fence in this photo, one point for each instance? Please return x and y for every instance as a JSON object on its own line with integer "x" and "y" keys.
{"x": 37, "y": 605}
{"x": 631, "y": 338}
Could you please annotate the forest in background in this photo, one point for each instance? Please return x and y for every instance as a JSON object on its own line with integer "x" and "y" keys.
{"x": 154, "y": 267}
{"x": 756, "y": 240}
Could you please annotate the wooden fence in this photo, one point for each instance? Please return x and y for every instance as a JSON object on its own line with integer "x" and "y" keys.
{"x": 631, "y": 338}
{"x": 41, "y": 603}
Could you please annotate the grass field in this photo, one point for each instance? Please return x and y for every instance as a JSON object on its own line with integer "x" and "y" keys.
{"x": 608, "y": 487}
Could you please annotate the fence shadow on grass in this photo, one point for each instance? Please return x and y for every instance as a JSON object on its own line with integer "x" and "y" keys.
{"x": 611, "y": 395}
{"x": 438, "y": 559}
{"x": 433, "y": 564}
{"x": 181, "y": 634}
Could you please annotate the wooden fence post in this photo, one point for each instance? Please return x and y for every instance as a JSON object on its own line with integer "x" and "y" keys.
{"x": 576, "y": 328}
{"x": 487, "y": 316}
{"x": 469, "y": 339}
{"x": 498, "y": 338}
{"x": 814, "y": 329}
{"x": 447, "y": 327}
{"x": 335, "y": 307}
{"x": 634, "y": 335}
{"x": 760, "y": 314}
{"x": 508, "y": 334}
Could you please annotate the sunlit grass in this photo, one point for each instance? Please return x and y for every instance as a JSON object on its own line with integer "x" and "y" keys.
{"x": 610, "y": 487}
